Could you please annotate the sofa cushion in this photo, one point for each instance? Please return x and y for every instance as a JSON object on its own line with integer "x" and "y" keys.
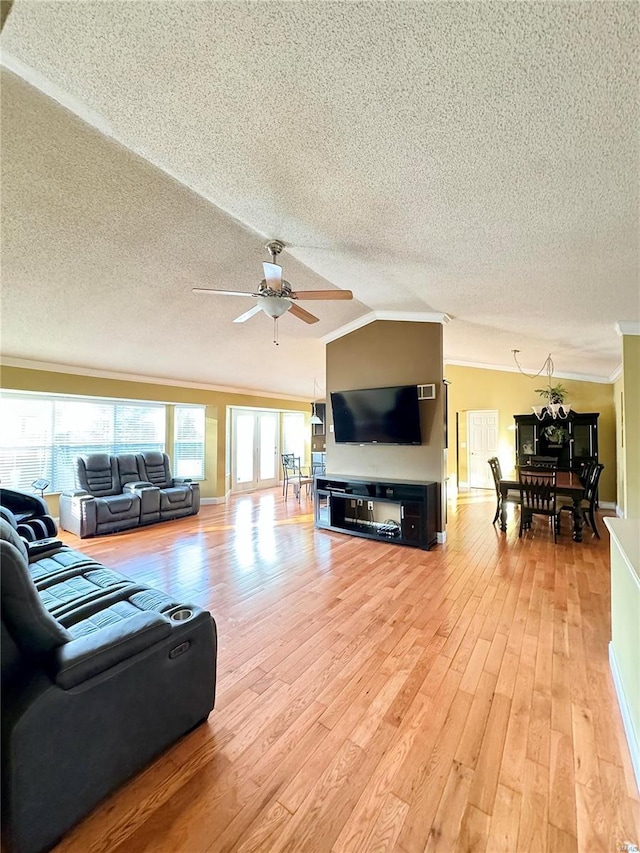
{"x": 63, "y": 560}
{"x": 154, "y": 467}
{"x": 74, "y": 590}
{"x": 117, "y": 508}
{"x": 128, "y": 469}
{"x": 176, "y": 497}
{"x": 97, "y": 473}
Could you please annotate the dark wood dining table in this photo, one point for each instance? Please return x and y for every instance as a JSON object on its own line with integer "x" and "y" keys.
{"x": 568, "y": 484}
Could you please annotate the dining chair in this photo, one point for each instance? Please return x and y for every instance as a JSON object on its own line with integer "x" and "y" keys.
{"x": 537, "y": 496}
{"x": 511, "y": 497}
{"x": 542, "y": 462}
{"x": 589, "y": 501}
{"x": 586, "y": 469}
{"x": 292, "y": 473}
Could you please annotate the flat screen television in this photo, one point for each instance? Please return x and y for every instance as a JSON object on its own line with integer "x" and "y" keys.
{"x": 377, "y": 415}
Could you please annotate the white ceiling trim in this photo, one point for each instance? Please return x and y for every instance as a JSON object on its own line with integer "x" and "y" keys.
{"x": 396, "y": 316}
{"x": 581, "y": 377}
{"x": 151, "y": 380}
{"x": 627, "y": 328}
{"x": 617, "y": 373}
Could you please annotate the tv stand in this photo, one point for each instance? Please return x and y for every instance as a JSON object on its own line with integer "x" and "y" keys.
{"x": 387, "y": 510}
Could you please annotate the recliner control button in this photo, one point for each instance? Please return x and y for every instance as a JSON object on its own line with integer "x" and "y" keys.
{"x": 180, "y": 650}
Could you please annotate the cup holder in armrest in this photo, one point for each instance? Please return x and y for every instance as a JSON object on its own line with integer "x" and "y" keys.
{"x": 181, "y": 615}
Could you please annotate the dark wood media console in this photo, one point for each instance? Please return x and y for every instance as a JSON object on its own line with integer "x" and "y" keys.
{"x": 387, "y": 510}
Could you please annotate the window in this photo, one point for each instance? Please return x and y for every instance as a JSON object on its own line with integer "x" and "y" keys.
{"x": 188, "y": 442}
{"x": 294, "y": 434}
{"x": 41, "y": 435}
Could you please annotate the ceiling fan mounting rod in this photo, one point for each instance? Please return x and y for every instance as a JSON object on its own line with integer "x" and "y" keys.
{"x": 274, "y": 247}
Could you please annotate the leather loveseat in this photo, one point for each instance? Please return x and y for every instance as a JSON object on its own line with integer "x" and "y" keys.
{"x": 119, "y": 492}
{"x": 99, "y": 675}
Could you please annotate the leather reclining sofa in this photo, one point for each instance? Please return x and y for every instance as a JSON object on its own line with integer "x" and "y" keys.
{"x": 99, "y": 675}
{"x": 118, "y": 492}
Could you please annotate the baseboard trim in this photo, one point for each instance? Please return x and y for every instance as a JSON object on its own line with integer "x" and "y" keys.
{"x": 441, "y": 537}
{"x": 607, "y": 505}
{"x": 209, "y": 501}
{"x": 632, "y": 737}
{"x": 619, "y": 511}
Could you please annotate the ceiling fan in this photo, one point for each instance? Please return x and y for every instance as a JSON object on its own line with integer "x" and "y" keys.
{"x": 274, "y": 294}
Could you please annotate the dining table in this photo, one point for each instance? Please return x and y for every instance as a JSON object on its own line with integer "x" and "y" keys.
{"x": 568, "y": 484}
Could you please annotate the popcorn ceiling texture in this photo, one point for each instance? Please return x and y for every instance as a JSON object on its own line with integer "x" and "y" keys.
{"x": 478, "y": 159}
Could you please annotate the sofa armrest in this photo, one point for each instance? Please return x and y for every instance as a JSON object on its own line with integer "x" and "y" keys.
{"x": 77, "y": 511}
{"x": 137, "y": 485}
{"x": 43, "y": 546}
{"x": 85, "y": 657}
{"x": 182, "y": 481}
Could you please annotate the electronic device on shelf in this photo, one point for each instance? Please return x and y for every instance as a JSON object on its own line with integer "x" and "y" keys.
{"x": 377, "y": 415}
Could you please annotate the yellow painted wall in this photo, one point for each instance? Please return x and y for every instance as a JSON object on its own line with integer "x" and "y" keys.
{"x": 631, "y": 410}
{"x": 217, "y": 403}
{"x": 513, "y": 394}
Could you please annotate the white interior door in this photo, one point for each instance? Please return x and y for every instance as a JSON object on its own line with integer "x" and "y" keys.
{"x": 482, "y": 444}
{"x": 254, "y": 441}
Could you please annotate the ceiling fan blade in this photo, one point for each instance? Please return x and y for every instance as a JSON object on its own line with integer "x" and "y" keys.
{"x": 222, "y": 292}
{"x": 322, "y": 294}
{"x": 247, "y": 314}
{"x": 273, "y": 276}
{"x": 301, "y": 314}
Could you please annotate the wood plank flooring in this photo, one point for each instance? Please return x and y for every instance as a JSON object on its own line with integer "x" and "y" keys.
{"x": 373, "y": 697}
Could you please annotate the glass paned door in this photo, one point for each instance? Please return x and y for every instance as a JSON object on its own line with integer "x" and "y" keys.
{"x": 255, "y": 450}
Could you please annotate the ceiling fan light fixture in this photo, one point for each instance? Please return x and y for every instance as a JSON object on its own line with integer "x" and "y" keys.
{"x": 274, "y": 306}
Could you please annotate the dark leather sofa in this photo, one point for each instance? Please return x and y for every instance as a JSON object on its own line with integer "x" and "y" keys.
{"x": 119, "y": 492}
{"x": 99, "y": 675}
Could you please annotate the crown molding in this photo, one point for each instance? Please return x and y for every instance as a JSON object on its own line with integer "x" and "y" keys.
{"x": 617, "y": 373}
{"x": 623, "y": 328}
{"x": 149, "y": 380}
{"x": 580, "y": 377}
{"x": 395, "y": 316}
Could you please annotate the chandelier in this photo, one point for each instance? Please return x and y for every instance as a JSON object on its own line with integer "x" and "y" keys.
{"x": 556, "y": 411}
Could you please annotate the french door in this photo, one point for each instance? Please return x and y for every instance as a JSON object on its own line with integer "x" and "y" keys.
{"x": 254, "y": 448}
{"x": 482, "y": 444}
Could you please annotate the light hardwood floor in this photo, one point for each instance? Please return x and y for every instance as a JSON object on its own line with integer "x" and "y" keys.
{"x": 374, "y": 697}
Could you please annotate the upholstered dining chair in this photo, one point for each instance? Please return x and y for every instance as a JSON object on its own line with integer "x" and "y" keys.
{"x": 537, "y": 496}
{"x": 293, "y": 474}
{"x": 589, "y": 501}
{"x": 511, "y": 497}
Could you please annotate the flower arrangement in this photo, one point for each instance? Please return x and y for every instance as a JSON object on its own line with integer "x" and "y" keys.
{"x": 556, "y": 434}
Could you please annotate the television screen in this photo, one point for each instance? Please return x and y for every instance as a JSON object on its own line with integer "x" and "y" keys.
{"x": 377, "y": 415}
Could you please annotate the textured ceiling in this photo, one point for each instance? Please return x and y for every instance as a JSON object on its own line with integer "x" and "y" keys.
{"x": 477, "y": 159}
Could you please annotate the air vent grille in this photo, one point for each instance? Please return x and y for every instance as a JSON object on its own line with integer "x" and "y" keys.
{"x": 426, "y": 392}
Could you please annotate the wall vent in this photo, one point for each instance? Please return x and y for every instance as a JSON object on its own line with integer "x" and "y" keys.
{"x": 426, "y": 392}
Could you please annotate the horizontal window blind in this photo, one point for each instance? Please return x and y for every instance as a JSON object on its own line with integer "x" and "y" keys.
{"x": 41, "y": 435}
{"x": 188, "y": 442}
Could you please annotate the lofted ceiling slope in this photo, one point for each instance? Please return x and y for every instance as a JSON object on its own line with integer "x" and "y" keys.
{"x": 476, "y": 159}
